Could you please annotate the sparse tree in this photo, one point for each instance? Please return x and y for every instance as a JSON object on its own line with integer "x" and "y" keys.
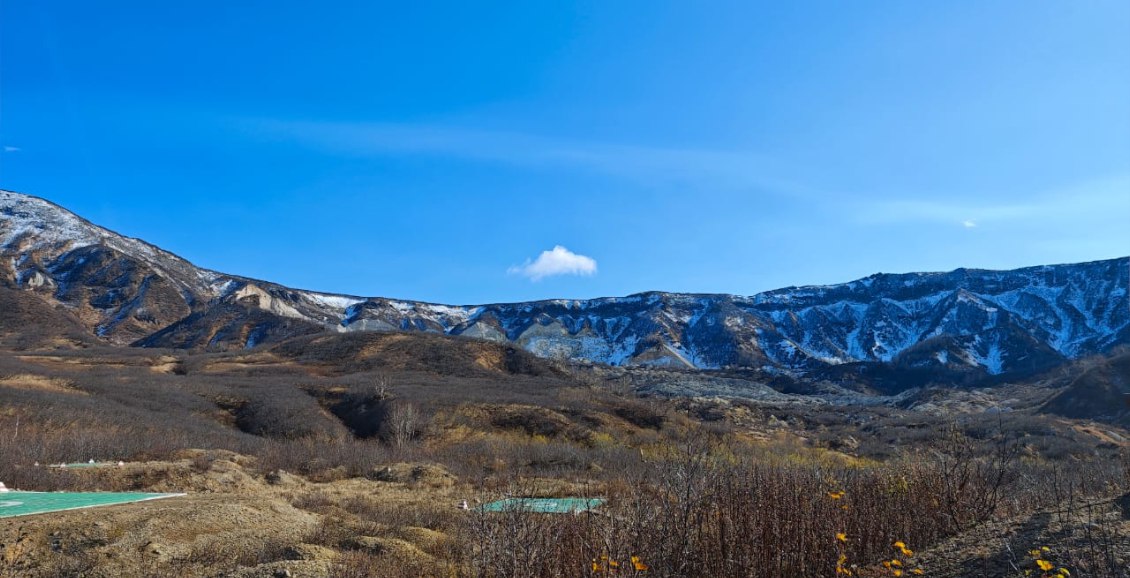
{"x": 403, "y": 423}
{"x": 382, "y": 386}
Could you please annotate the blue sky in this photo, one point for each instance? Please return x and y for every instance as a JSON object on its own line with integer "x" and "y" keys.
{"x": 434, "y": 151}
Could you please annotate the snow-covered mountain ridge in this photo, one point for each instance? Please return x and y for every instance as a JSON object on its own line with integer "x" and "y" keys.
{"x": 989, "y": 321}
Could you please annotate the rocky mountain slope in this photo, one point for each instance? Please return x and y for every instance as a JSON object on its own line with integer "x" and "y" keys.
{"x": 127, "y": 291}
{"x": 1097, "y": 388}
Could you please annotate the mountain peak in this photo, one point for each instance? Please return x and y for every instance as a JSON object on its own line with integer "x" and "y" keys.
{"x": 992, "y": 321}
{"x": 41, "y": 222}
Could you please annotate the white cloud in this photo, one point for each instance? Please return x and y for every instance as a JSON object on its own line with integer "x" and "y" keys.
{"x": 557, "y": 261}
{"x": 969, "y": 223}
{"x": 11, "y": 149}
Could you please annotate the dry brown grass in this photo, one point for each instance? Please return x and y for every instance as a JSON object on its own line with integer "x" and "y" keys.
{"x": 694, "y": 487}
{"x": 39, "y": 383}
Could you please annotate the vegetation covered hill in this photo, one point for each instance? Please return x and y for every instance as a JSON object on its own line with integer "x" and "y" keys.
{"x": 347, "y": 455}
{"x": 1097, "y": 388}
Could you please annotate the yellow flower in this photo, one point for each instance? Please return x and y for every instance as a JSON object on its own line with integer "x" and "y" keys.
{"x": 917, "y": 571}
{"x": 595, "y": 567}
{"x": 836, "y": 495}
{"x": 1045, "y": 548}
{"x": 1064, "y": 572}
{"x": 900, "y": 544}
{"x": 639, "y": 565}
{"x": 613, "y": 564}
{"x": 1034, "y": 553}
{"x": 841, "y": 536}
{"x": 896, "y": 572}
{"x": 1044, "y": 565}
{"x": 896, "y": 563}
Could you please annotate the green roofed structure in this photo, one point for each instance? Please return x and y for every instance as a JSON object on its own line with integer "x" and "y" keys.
{"x": 14, "y": 504}
{"x": 544, "y": 505}
{"x": 90, "y": 464}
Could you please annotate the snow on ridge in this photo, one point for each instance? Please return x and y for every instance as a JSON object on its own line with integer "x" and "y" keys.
{"x": 342, "y": 302}
{"x": 54, "y": 228}
{"x": 225, "y": 288}
{"x": 457, "y": 312}
{"x": 992, "y": 360}
{"x": 996, "y": 293}
{"x": 50, "y": 224}
{"x": 832, "y": 323}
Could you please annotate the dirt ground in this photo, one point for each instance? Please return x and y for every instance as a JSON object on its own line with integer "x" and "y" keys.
{"x": 233, "y": 523}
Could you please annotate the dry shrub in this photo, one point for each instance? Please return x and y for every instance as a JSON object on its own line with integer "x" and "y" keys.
{"x": 537, "y": 421}
{"x": 441, "y": 516}
{"x": 363, "y": 564}
{"x": 287, "y": 416}
{"x": 641, "y": 414}
{"x": 702, "y": 509}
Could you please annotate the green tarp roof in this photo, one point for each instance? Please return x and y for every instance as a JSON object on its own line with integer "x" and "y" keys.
{"x": 544, "y": 505}
{"x": 26, "y": 503}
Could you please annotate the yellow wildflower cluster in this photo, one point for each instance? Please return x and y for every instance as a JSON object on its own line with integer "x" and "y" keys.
{"x": 841, "y": 537}
{"x": 896, "y": 566}
{"x": 899, "y": 564}
{"x": 607, "y": 565}
{"x": 1046, "y": 567}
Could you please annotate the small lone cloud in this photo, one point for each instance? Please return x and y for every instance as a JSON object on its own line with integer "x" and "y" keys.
{"x": 557, "y": 261}
{"x": 11, "y": 149}
{"x": 969, "y": 223}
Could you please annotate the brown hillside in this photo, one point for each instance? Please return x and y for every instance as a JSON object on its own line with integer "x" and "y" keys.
{"x": 417, "y": 352}
{"x": 1099, "y": 388}
{"x": 27, "y": 322}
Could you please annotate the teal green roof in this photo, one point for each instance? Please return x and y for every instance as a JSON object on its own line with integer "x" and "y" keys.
{"x": 26, "y": 503}
{"x": 544, "y": 505}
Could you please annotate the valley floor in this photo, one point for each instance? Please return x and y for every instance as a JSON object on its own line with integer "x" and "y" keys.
{"x": 349, "y": 457}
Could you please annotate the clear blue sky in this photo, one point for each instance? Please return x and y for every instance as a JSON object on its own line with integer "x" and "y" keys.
{"x": 428, "y": 150}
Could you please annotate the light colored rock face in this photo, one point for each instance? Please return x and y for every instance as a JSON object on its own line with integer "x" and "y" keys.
{"x": 479, "y": 330}
{"x": 985, "y": 321}
{"x": 267, "y": 302}
{"x": 37, "y": 280}
{"x": 552, "y": 340}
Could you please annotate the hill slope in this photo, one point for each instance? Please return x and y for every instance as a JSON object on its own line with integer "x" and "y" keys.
{"x": 966, "y": 321}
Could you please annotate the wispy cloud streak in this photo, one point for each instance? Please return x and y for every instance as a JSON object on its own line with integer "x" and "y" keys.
{"x": 1097, "y": 200}
{"x": 707, "y": 168}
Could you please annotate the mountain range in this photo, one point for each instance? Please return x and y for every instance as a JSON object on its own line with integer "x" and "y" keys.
{"x": 125, "y": 291}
